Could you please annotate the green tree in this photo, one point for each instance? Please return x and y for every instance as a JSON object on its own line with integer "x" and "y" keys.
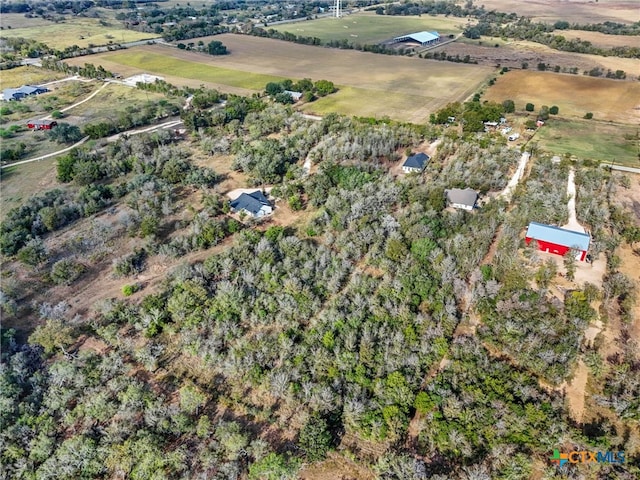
{"x": 509, "y": 106}
{"x": 554, "y": 110}
{"x": 33, "y": 253}
{"x": 274, "y": 467}
{"x": 324, "y": 87}
{"x": 315, "y": 439}
{"x": 530, "y": 107}
{"x": 216, "y": 48}
{"x": 52, "y": 335}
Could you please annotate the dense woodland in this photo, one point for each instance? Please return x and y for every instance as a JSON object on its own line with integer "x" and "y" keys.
{"x": 340, "y": 331}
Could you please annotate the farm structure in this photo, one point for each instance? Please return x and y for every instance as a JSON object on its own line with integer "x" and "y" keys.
{"x": 254, "y": 204}
{"x": 9, "y": 94}
{"x": 463, "y": 199}
{"x": 558, "y": 240}
{"x": 41, "y": 124}
{"x": 415, "y": 163}
{"x": 295, "y": 95}
{"x": 423, "y": 38}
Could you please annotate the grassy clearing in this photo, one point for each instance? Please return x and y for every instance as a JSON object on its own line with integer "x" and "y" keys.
{"x": 371, "y": 28}
{"x": 77, "y": 31}
{"x": 610, "y": 100}
{"x": 18, "y": 76}
{"x": 23, "y": 181}
{"x": 591, "y": 140}
{"x": 168, "y": 65}
{"x": 368, "y": 103}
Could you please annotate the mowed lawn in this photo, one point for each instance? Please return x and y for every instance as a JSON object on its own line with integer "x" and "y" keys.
{"x": 368, "y": 28}
{"x": 590, "y": 139}
{"x": 401, "y": 88}
{"x": 77, "y": 31}
{"x": 575, "y": 95}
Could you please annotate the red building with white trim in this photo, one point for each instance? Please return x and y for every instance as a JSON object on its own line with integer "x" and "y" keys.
{"x": 558, "y": 240}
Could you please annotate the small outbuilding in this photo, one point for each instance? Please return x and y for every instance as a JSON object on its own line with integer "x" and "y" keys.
{"x": 464, "y": 199}
{"x": 558, "y": 240}
{"x": 295, "y": 95}
{"x": 254, "y": 204}
{"x": 41, "y": 124}
{"x": 415, "y": 163}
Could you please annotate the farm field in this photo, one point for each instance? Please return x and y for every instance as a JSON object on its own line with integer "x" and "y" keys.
{"x": 575, "y": 95}
{"x": 77, "y": 31}
{"x": 573, "y": 11}
{"x": 591, "y": 140}
{"x": 601, "y": 39}
{"x": 399, "y": 87}
{"x": 371, "y": 28}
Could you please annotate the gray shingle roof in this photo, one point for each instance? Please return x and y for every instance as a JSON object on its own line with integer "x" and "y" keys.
{"x": 467, "y": 196}
{"x": 251, "y": 202}
{"x": 559, "y": 236}
{"x": 417, "y": 161}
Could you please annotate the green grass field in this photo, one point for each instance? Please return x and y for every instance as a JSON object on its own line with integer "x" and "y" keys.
{"x": 368, "y": 28}
{"x": 590, "y": 139}
{"x": 77, "y": 31}
{"x": 163, "y": 64}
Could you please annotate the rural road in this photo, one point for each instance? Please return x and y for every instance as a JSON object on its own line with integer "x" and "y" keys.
{"x": 48, "y": 155}
{"x": 517, "y": 176}
{"x": 170, "y": 124}
{"x": 48, "y": 117}
{"x": 571, "y": 204}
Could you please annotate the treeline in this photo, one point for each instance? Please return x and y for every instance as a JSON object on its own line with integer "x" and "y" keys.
{"x": 89, "y": 70}
{"x": 526, "y": 29}
{"x": 430, "y": 7}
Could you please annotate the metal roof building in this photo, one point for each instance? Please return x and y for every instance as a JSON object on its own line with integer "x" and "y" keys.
{"x": 558, "y": 240}
{"x": 423, "y": 38}
{"x": 415, "y": 163}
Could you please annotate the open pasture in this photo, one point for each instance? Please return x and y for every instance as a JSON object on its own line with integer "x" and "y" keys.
{"x": 575, "y": 95}
{"x": 573, "y": 11}
{"x": 399, "y": 87}
{"x": 591, "y": 139}
{"x": 77, "y": 31}
{"x": 369, "y": 28}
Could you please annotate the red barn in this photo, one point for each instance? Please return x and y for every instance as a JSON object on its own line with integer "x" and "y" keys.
{"x": 558, "y": 240}
{"x": 41, "y": 124}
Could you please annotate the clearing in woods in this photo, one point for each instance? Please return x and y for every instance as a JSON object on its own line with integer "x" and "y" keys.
{"x": 369, "y": 28}
{"x": 610, "y": 100}
{"x": 573, "y": 11}
{"x": 401, "y": 88}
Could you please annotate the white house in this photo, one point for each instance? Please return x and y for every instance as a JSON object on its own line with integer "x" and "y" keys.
{"x": 464, "y": 199}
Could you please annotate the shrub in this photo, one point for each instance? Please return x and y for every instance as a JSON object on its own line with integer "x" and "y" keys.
{"x": 128, "y": 290}
{"x": 66, "y": 271}
{"x": 530, "y": 107}
{"x": 588, "y": 115}
{"x": 554, "y": 110}
{"x": 57, "y": 114}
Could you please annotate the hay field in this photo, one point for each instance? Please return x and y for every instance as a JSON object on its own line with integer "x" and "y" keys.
{"x": 591, "y": 139}
{"x": 370, "y": 28}
{"x": 77, "y": 31}
{"x": 575, "y": 95}
{"x": 573, "y": 11}
{"x": 402, "y": 88}
{"x": 602, "y": 40}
